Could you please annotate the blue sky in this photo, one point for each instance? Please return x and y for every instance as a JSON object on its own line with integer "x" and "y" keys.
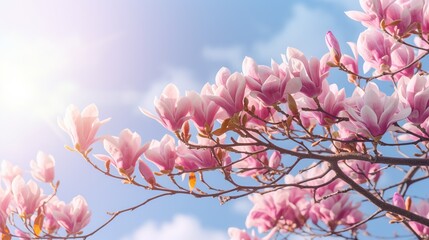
{"x": 119, "y": 55}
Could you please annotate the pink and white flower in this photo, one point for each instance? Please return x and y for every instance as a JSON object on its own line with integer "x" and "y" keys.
{"x": 373, "y": 113}
{"x": 26, "y": 196}
{"x": 82, "y": 126}
{"x": 204, "y": 110}
{"x": 230, "y": 95}
{"x": 333, "y": 46}
{"x": 124, "y": 151}
{"x": 43, "y": 169}
{"x": 309, "y": 72}
{"x": 269, "y": 84}
{"x": 172, "y": 109}
{"x": 8, "y": 172}
{"x": 73, "y": 217}
{"x": 147, "y": 173}
{"x": 415, "y": 93}
{"x": 162, "y": 153}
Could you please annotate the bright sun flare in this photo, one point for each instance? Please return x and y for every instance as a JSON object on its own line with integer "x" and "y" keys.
{"x": 28, "y": 73}
{"x": 17, "y": 94}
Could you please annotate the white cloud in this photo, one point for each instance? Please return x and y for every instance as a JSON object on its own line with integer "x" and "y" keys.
{"x": 231, "y": 56}
{"x": 180, "y": 227}
{"x": 305, "y": 30}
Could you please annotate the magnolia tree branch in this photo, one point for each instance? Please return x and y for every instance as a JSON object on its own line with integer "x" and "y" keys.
{"x": 307, "y": 155}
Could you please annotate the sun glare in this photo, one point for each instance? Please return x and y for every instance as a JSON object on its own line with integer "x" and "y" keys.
{"x": 29, "y": 72}
{"x": 17, "y": 94}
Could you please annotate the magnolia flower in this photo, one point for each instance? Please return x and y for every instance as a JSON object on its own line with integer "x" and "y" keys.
{"x": 146, "y": 173}
{"x": 204, "y": 110}
{"x": 422, "y": 209}
{"x": 398, "y": 200}
{"x": 162, "y": 154}
{"x": 50, "y": 224}
{"x": 27, "y": 196}
{"x": 331, "y": 100}
{"x": 373, "y": 113}
{"x": 82, "y": 126}
{"x": 334, "y": 47}
{"x": 361, "y": 171}
{"x": 336, "y": 210}
{"x": 5, "y": 198}
{"x": 172, "y": 109}
{"x": 399, "y": 17}
{"x": 124, "y": 151}
{"x": 375, "y": 48}
{"x": 415, "y": 93}
{"x": 8, "y": 172}
{"x": 43, "y": 169}
{"x": 351, "y": 63}
{"x": 309, "y": 72}
{"x": 269, "y": 84}
{"x": 230, "y": 96}
{"x": 286, "y": 209}
{"x": 73, "y": 217}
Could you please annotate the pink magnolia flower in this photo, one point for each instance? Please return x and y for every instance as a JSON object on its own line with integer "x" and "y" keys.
{"x": 270, "y": 84}
{"x": 222, "y": 76}
{"x": 331, "y": 100}
{"x": 193, "y": 159}
{"x": 361, "y": 171}
{"x": 336, "y": 210}
{"x": 398, "y": 200}
{"x": 351, "y": 63}
{"x": 372, "y": 112}
{"x": 172, "y": 109}
{"x": 425, "y": 20}
{"x": 287, "y": 209}
{"x": 415, "y": 130}
{"x": 399, "y": 17}
{"x": 262, "y": 112}
{"x": 50, "y": 224}
{"x": 8, "y": 172}
{"x": 230, "y": 96}
{"x": 27, "y": 196}
{"x": 333, "y": 46}
{"x": 162, "y": 154}
{"x": 124, "y": 151}
{"x": 82, "y": 126}
{"x": 73, "y": 217}
{"x": 204, "y": 110}
{"x": 375, "y": 48}
{"x": 5, "y": 198}
{"x": 255, "y": 160}
{"x": 308, "y": 71}
{"x": 422, "y": 209}
{"x": 402, "y": 57}
{"x": 415, "y": 93}
{"x": 383, "y": 54}
{"x": 43, "y": 169}
{"x": 147, "y": 173}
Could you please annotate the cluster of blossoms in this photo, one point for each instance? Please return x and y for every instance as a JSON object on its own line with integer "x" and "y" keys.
{"x": 242, "y": 119}
{"x": 43, "y": 216}
{"x": 260, "y": 124}
{"x": 422, "y": 209}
